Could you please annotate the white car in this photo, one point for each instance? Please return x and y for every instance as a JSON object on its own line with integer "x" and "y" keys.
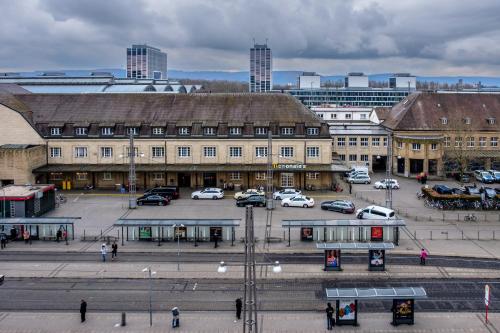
{"x": 247, "y": 193}
{"x": 208, "y": 193}
{"x": 298, "y": 201}
{"x": 286, "y": 193}
{"x": 384, "y": 183}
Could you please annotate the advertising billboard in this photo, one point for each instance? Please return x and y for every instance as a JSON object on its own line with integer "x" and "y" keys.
{"x": 332, "y": 260}
{"x": 377, "y": 234}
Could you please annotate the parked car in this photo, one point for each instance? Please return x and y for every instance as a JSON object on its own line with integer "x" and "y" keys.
{"x": 465, "y": 178}
{"x": 254, "y": 200}
{"x": 442, "y": 189}
{"x": 208, "y": 193}
{"x": 384, "y": 183}
{"x": 495, "y": 174}
{"x": 298, "y": 201}
{"x": 356, "y": 169}
{"x": 484, "y": 176}
{"x": 286, "y": 193}
{"x": 458, "y": 190}
{"x": 489, "y": 192}
{"x": 153, "y": 199}
{"x": 359, "y": 179}
{"x": 342, "y": 206}
{"x": 376, "y": 213}
{"x": 170, "y": 191}
{"x": 471, "y": 190}
{"x": 247, "y": 193}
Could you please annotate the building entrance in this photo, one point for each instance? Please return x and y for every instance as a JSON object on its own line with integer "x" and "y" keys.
{"x": 379, "y": 163}
{"x": 209, "y": 179}
{"x": 184, "y": 179}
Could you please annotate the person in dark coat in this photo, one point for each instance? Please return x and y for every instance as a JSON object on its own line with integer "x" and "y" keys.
{"x": 330, "y": 322}
{"x": 58, "y": 235}
{"x": 350, "y": 188}
{"x": 216, "y": 239}
{"x": 114, "y": 251}
{"x": 13, "y": 233}
{"x": 175, "y": 317}
{"x": 83, "y": 309}
{"x": 239, "y": 305}
{"x": 3, "y": 240}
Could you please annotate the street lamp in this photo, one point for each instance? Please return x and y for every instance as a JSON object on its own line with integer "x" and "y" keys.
{"x": 178, "y": 244}
{"x": 148, "y": 269}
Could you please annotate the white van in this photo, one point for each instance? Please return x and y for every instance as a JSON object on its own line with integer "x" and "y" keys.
{"x": 357, "y": 168}
{"x": 376, "y": 213}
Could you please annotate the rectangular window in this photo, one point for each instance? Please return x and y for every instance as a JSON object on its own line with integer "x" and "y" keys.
{"x": 54, "y": 131}
{"x": 107, "y": 176}
{"x": 320, "y": 115}
{"x": 261, "y": 131}
{"x": 444, "y": 121}
{"x": 467, "y": 121}
{"x": 364, "y": 142}
{"x": 400, "y": 145}
{"x": 491, "y": 121}
{"x": 260, "y": 176}
{"x": 55, "y": 152}
{"x": 312, "y": 131}
{"x": 136, "y": 152}
{"x": 184, "y": 151}
{"x": 183, "y": 131}
{"x": 353, "y": 158}
{"x": 287, "y": 130}
{"x": 158, "y": 130}
{"x": 235, "y": 151}
{"x": 342, "y": 157}
{"x": 107, "y": 131}
{"x": 458, "y": 141}
{"x": 415, "y": 146}
{"x": 447, "y": 141}
{"x": 347, "y": 116}
{"x": 362, "y": 116}
{"x": 494, "y": 141}
{"x": 434, "y": 146}
{"x": 81, "y": 175}
{"x": 158, "y": 152}
{"x": 234, "y": 176}
{"x": 209, "y": 131}
{"x": 341, "y": 142}
{"x": 260, "y": 151}
{"x": 286, "y": 152}
{"x": 56, "y": 176}
{"x": 312, "y": 151}
{"x": 80, "y": 152}
{"x": 385, "y": 142}
{"x": 312, "y": 175}
{"x": 106, "y": 152}
{"x": 333, "y": 116}
{"x": 353, "y": 142}
{"x": 471, "y": 141}
{"x": 81, "y": 131}
{"x": 287, "y": 179}
{"x": 375, "y": 142}
{"x": 158, "y": 175}
{"x": 133, "y": 130}
{"x": 209, "y": 151}
{"x": 234, "y": 130}
{"x": 482, "y": 141}
{"x": 364, "y": 158}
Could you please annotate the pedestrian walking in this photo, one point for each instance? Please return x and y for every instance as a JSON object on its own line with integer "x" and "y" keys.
{"x": 83, "y": 310}
{"x": 239, "y": 305}
{"x": 423, "y": 256}
{"x": 330, "y": 322}
{"x": 58, "y": 235}
{"x": 114, "y": 251}
{"x": 26, "y": 236}
{"x": 104, "y": 251}
{"x": 13, "y": 234}
{"x": 350, "y": 188}
{"x": 216, "y": 239}
{"x": 175, "y": 317}
{"x": 3, "y": 240}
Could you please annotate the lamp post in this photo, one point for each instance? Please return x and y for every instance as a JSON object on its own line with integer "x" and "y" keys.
{"x": 178, "y": 244}
{"x": 148, "y": 269}
{"x": 4, "y": 213}
{"x": 250, "y": 280}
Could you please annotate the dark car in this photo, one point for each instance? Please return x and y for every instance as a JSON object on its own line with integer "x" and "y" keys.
{"x": 472, "y": 190}
{"x": 457, "y": 190}
{"x": 343, "y": 206}
{"x": 254, "y": 200}
{"x": 164, "y": 191}
{"x": 153, "y": 199}
{"x": 442, "y": 189}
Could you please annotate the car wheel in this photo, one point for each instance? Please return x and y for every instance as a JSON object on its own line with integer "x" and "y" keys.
{"x": 214, "y": 197}
{"x": 342, "y": 211}
{"x": 286, "y": 205}
{"x": 140, "y": 203}
{"x": 195, "y": 197}
{"x": 367, "y": 182}
{"x": 278, "y": 198}
{"x": 240, "y": 197}
{"x": 305, "y": 206}
{"x": 160, "y": 203}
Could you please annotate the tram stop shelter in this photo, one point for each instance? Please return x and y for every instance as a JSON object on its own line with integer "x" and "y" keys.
{"x": 376, "y": 254}
{"x": 369, "y": 230}
{"x": 403, "y": 302}
{"x": 196, "y": 230}
{"x": 40, "y": 228}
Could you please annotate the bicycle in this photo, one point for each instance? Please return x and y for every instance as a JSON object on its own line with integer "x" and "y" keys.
{"x": 470, "y": 218}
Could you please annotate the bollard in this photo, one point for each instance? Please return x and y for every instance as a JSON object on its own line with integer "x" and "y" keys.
{"x": 443, "y": 217}
{"x": 84, "y": 235}
{"x": 124, "y": 319}
{"x": 478, "y": 235}
{"x": 431, "y": 234}
{"x": 2, "y": 278}
{"x": 462, "y": 234}
{"x": 415, "y": 234}
{"x": 493, "y": 234}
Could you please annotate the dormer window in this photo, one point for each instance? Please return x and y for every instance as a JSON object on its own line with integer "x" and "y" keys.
{"x": 158, "y": 130}
{"x": 133, "y": 130}
{"x": 444, "y": 121}
{"x": 313, "y": 131}
{"x": 55, "y": 131}
{"x": 209, "y": 131}
{"x": 467, "y": 121}
{"x": 107, "y": 131}
{"x": 81, "y": 131}
{"x": 184, "y": 131}
{"x": 261, "y": 131}
{"x": 491, "y": 121}
{"x": 287, "y": 131}
{"x": 234, "y": 130}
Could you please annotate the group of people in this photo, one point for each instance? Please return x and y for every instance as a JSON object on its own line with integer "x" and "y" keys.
{"x": 104, "y": 251}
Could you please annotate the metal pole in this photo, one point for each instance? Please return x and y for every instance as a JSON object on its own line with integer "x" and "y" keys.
{"x": 178, "y": 251}
{"x": 388, "y": 168}
{"x": 250, "y": 294}
{"x": 132, "y": 204}
{"x": 150, "y": 298}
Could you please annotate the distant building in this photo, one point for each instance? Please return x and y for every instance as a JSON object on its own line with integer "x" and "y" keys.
{"x": 356, "y": 80}
{"x": 309, "y": 80}
{"x": 261, "y": 67}
{"x": 403, "y": 80}
{"x": 146, "y": 62}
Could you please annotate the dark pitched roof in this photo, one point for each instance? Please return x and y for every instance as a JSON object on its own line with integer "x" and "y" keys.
{"x": 382, "y": 112}
{"x": 12, "y": 88}
{"x": 148, "y": 108}
{"x": 424, "y": 111}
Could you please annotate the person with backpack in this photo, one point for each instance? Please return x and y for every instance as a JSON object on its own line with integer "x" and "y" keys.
{"x": 330, "y": 322}
{"x": 175, "y": 317}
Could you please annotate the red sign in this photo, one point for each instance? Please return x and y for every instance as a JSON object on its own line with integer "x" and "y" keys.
{"x": 377, "y": 234}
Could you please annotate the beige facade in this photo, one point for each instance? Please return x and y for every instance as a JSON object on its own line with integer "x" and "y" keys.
{"x": 15, "y": 129}
{"x": 18, "y": 161}
{"x": 367, "y": 150}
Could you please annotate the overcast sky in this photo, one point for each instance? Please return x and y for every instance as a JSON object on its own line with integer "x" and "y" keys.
{"x": 424, "y": 37}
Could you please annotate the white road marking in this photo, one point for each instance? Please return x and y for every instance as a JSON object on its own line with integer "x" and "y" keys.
{"x": 195, "y": 285}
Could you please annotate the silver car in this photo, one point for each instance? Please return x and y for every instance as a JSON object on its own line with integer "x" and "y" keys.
{"x": 359, "y": 179}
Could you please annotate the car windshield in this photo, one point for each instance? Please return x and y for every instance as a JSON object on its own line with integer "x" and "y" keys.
{"x": 473, "y": 190}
